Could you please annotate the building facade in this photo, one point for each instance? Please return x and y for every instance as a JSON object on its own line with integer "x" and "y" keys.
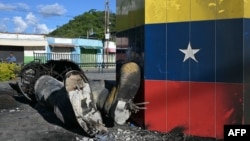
{"x": 62, "y": 49}
{"x": 195, "y": 59}
{"x": 22, "y": 45}
{"x": 91, "y": 50}
{"x": 30, "y": 47}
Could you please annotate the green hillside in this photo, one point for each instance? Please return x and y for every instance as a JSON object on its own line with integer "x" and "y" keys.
{"x": 89, "y": 24}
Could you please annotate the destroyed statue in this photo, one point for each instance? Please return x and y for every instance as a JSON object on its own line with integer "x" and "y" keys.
{"x": 63, "y": 86}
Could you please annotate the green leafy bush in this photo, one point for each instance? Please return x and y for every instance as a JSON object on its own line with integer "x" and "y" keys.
{"x": 9, "y": 71}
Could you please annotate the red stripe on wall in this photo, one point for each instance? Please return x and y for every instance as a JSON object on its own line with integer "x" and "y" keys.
{"x": 202, "y": 108}
{"x": 155, "y": 115}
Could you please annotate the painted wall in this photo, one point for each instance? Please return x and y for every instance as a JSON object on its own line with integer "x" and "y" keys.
{"x": 29, "y": 53}
{"x": 62, "y": 48}
{"x": 195, "y": 62}
{"x": 90, "y": 49}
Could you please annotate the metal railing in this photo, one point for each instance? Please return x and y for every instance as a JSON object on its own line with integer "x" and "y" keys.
{"x": 83, "y": 60}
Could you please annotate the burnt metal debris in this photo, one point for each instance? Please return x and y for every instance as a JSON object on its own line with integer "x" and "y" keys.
{"x": 63, "y": 86}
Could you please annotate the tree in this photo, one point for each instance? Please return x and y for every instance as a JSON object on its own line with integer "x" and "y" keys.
{"x": 89, "y": 24}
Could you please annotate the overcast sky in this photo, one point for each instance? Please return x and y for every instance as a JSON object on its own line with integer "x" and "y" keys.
{"x": 43, "y": 16}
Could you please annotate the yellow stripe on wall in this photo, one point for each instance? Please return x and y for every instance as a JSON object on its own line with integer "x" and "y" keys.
{"x": 155, "y": 11}
{"x": 202, "y": 10}
{"x": 129, "y": 14}
{"x": 163, "y": 11}
{"x": 229, "y": 9}
{"x": 247, "y": 8}
{"x": 132, "y": 13}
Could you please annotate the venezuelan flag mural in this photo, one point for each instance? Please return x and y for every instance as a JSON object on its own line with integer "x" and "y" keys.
{"x": 195, "y": 57}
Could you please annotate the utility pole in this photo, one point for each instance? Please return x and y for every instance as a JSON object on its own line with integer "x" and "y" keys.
{"x": 106, "y": 31}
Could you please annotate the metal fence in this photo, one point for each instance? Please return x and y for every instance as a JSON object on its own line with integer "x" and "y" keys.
{"x": 83, "y": 60}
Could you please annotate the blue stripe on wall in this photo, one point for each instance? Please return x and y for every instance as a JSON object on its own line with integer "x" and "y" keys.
{"x": 229, "y": 50}
{"x": 220, "y": 55}
{"x": 155, "y": 51}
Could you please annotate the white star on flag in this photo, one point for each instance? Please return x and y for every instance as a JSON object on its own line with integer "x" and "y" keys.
{"x": 189, "y": 53}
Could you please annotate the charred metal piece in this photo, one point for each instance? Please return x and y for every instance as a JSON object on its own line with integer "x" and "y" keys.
{"x": 63, "y": 86}
{"x": 136, "y": 107}
{"x": 128, "y": 85}
{"x": 117, "y": 103}
{"x": 72, "y": 101}
{"x": 32, "y": 71}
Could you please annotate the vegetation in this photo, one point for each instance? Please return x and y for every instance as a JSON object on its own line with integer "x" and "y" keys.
{"x": 89, "y": 24}
{"x": 9, "y": 71}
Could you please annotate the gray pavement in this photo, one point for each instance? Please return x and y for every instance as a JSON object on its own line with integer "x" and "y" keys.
{"x": 21, "y": 120}
{"x": 103, "y": 74}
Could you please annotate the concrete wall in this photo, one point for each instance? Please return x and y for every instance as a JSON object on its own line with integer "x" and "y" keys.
{"x": 194, "y": 55}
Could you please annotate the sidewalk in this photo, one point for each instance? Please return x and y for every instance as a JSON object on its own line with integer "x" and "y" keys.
{"x": 104, "y": 74}
{"x": 100, "y": 70}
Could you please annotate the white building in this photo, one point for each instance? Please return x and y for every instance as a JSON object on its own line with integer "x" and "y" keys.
{"x": 22, "y": 45}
